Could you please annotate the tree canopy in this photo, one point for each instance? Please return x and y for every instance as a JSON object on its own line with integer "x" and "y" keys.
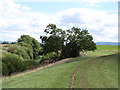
{"x": 70, "y": 42}
{"x": 33, "y": 45}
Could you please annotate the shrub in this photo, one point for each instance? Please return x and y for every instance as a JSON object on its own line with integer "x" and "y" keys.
{"x": 12, "y": 64}
{"x": 28, "y": 48}
{"x": 50, "y": 57}
{"x": 27, "y": 41}
{"x": 22, "y": 51}
{"x": 5, "y": 70}
{"x": 31, "y": 63}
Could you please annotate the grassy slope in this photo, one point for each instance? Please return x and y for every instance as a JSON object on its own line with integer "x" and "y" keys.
{"x": 101, "y": 72}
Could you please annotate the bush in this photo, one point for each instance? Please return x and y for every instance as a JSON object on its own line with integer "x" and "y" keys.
{"x": 12, "y": 64}
{"x": 31, "y": 64}
{"x": 30, "y": 43}
{"x": 28, "y": 48}
{"x": 50, "y": 57}
{"x": 19, "y": 50}
{"x": 5, "y": 70}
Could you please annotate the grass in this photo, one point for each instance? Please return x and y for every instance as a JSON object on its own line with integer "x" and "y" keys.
{"x": 107, "y": 47}
{"x": 102, "y": 72}
{"x": 94, "y": 71}
{"x": 57, "y": 76}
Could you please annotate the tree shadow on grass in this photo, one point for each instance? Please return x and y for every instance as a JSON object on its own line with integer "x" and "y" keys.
{"x": 113, "y": 55}
{"x": 86, "y": 58}
{"x": 77, "y": 59}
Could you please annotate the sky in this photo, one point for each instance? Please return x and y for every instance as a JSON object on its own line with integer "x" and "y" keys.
{"x": 30, "y": 17}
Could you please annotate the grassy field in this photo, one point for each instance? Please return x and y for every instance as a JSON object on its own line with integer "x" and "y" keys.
{"x": 102, "y": 72}
{"x": 107, "y": 47}
{"x": 97, "y": 69}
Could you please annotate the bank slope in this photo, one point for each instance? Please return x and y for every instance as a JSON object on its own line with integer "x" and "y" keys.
{"x": 98, "y": 68}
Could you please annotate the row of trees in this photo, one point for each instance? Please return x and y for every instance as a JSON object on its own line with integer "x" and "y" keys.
{"x": 56, "y": 45}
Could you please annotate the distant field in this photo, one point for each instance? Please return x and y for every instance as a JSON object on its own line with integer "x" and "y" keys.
{"x": 97, "y": 69}
{"x": 107, "y": 47}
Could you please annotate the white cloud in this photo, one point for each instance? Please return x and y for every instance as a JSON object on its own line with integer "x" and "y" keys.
{"x": 14, "y": 22}
{"x": 103, "y": 39}
{"x": 26, "y": 8}
{"x": 102, "y": 25}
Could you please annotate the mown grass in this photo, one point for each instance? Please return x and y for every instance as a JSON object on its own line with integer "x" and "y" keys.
{"x": 107, "y": 47}
{"x": 57, "y": 76}
{"x": 102, "y": 73}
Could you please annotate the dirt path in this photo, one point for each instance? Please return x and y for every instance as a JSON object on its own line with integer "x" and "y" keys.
{"x": 73, "y": 79}
{"x": 35, "y": 69}
{"x": 83, "y": 80}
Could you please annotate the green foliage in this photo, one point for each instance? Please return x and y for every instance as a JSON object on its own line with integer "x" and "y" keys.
{"x": 82, "y": 38}
{"x": 5, "y": 69}
{"x": 32, "y": 44}
{"x": 22, "y": 51}
{"x": 28, "y": 47}
{"x": 13, "y": 42}
{"x": 36, "y": 48}
{"x": 70, "y": 41}
{"x": 50, "y": 57}
{"x": 31, "y": 64}
{"x": 12, "y": 63}
{"x": 19, "y": 57}
{"x": 70, "y": 50}
{"x": 53, "y": 44}
{"x": 5, "y": 42}
{"x": 58, "y": 44}
{"x": 93, "y": 72}
{"x": 53, "y": 30}
{"x": 55, "y": 41}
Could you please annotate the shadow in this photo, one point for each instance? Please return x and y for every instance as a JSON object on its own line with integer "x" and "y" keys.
{"x": 72, "y": 60}
{"x": 77, "y": 59}
{"x": 108, "y": 56}
{"x": 87, "y": 57}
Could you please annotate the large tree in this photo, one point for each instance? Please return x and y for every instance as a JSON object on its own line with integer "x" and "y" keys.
{"x": 54, "y": 42}
{"x": 70, "y": 42}
{"x": 77, "y": 40}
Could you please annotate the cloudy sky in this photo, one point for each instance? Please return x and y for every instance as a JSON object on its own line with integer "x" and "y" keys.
{"x": 18, "y": 17}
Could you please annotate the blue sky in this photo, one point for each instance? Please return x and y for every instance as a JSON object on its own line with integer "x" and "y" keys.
{"x": 52, "y": 7}
{"x": 18, "y": 17}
